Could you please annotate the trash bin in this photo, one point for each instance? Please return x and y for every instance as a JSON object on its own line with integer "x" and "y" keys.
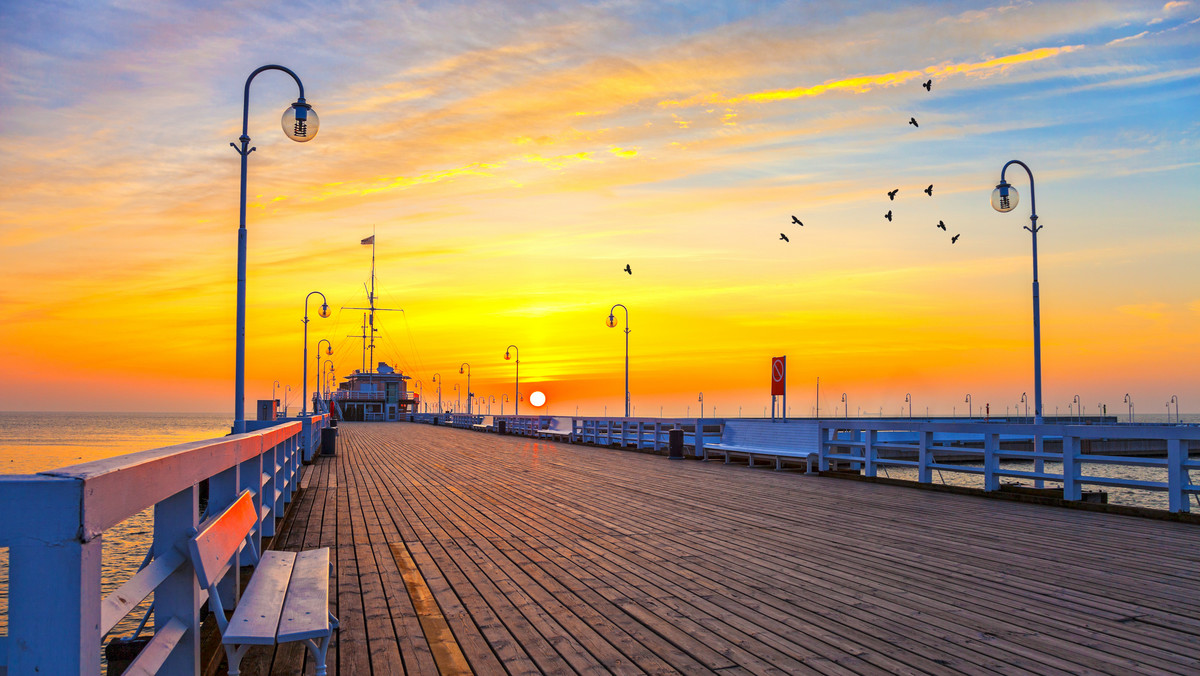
{"x": 435, "y": 420}
{"x": 675, "y": 444}
{"x": 502, "y": 427}
{"x": 329, "y": 441}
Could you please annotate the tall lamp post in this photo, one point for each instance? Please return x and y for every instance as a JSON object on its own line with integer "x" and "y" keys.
{"x": 517, "y": 385}
{"x": 460, "y": 371}
{"x": 324, "y": 313}
{"x": 437, "y": 378}
{"x": 503, "y": 399}
{"x": 300, "y": 123}
{"x": 612, "y": 323}
{"x": 328, "y": 389}
{"x": 273, "y": 386}
{"x": 1004, "y": 200}
{"x": 329, "y": 352}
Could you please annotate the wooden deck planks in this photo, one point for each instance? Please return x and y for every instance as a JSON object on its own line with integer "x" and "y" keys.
{"x": 545, "y": 557}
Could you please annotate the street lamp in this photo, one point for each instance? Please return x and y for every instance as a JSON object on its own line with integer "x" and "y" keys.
{"x": 460, "y": 370}
{"x": 517, "y": 385}
{"x": 1025, "y": 400}
{"x": 1004, "y": 200}
{"x": 324, "y": 313}
{"x": 908, "y": 400}
{"x": 845, "y": 405}
{"x": 300, "y": 123}
{"x": 969, "y": 404}
{"x": 458, "y": 392}
{"x": 329, "y": 352}
{"x": 287, "y": 394}
{"x": 437, "y": 378}
{"x": 503, "y": 399}
{"x": 1130, "y": 402}
{"x": 701, "y": 404}
{"x": 330, "y": 379}
{"x": 273, "y": 386}
{"x": 1078, "y": 408}
{"x": 612, "y": 323}
{"x": 1174, "y": 400}
{"x": 491, "y": 400}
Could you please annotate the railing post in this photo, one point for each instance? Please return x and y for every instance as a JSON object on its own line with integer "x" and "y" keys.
{"x": 991, "y": 461}
{"x": 53, "y": 580}
{"x": 924, "y": 458}
{"x": 1177, "y": 476}
{"x": 869, "y": 452}
{"x": 250, "y": 479}
{"x": 178, "y": 596}
{"x": 698, "y": 447}
{"x": 1039, "y": 463}
{"x": 268, "y": 491}
{"x": 658, "y": 435}
{"x": 823, "y": 441}
{"x": 1070, "y": 462}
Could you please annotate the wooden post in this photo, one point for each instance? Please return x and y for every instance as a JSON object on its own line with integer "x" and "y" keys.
{"x": 991, "y": 462}
{"x": 1177, "y": 476}
{"x": 869, "y": 452}
{"x": 1070, "y": 462}
{"x": 178, "y": 596}
{"x": 924, "y": 458}
{"x": 222, "y": 489}
{"x": 698, "y": 447}
{"x": 53, "y": 578}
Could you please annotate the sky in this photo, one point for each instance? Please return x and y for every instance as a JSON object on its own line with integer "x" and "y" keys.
{"x": 512, "y": 158}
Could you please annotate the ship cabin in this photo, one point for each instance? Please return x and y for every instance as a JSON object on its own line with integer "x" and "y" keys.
{"x": 379, "y": 395}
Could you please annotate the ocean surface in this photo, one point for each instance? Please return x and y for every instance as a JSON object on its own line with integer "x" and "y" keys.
{"x": 36, "y": 442}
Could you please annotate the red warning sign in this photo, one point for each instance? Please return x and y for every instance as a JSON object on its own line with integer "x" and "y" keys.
{"x": 778, "y": 375}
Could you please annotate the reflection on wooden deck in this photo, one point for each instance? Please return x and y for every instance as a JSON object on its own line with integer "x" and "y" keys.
{"x": 459, "y": 551}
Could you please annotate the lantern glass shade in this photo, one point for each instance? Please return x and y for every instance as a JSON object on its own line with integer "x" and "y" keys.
{"x": 506, "y": 355}
{"x": 324, "y": 311}
{"x": 612, "y": 321}
{"x": 1005, "y": 198}
{"x": 300, "y": 122}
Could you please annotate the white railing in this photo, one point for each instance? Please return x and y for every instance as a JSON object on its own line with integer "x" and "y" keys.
{"x": 957, "y": 447}
{"x": 53, "y": 524}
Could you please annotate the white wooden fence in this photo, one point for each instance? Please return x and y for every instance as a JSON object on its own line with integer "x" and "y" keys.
{"x": 53, "y": 524}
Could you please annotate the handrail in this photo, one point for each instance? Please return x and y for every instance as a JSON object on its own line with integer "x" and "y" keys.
{"x": 55, "y": 547}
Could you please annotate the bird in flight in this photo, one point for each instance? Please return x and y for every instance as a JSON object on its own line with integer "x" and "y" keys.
{"x": 784, "y": 237}
{"x": 954, "y": 239}
{"x": 941, "y": 225}
{"x": 913, "y": 122}
{"x": 797, "y": 221}
{"x": 929, "y": 190}
{"x": 888, "y": 215}
{"x": 892, "y": 193}
{"x": 928, "y": 85}
{"x": 628, "y": 269}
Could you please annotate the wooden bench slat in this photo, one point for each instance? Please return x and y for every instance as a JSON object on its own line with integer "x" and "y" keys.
{"x": 306, "y": 609}
{"x": 157, "y": 650}
{"x": 220, "y": 537}
{"x": 256, "y": 619}
{"x": 126, "y": 597}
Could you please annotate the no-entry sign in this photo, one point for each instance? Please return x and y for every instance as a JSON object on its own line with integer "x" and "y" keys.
{"x": 778, "y": 375}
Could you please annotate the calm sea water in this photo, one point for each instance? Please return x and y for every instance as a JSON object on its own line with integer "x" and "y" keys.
{"x": 36, "y": 442}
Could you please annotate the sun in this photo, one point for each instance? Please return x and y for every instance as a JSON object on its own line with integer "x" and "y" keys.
{"x": 537, "y": 398}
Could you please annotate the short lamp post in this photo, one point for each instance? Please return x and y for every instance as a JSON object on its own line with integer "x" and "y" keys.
{"x": 1174, "y": 400}
{"x": 612, "y": 323}
{"x": 701, "y": 405}
{"x": 908, "y": 400}
{"x": 1025, "y": 400}
{"x": 460, "y": 371}
{"x": 1078, "y": 408}
{"x": 458, "y": 393}
{"x": 503, "y": 399}
{"x": 1129, "y": 401}
{"x": 517, "y": 384}
{"x": 300, "y": 123}
{"x": 324, "y": 313}
{"x": 845, "y": 405}
{"x": 273, "y": 386}
{"x": 1004, "y": 200}
{"x": 970, "y": 411}
{"x": 330, "y": 381}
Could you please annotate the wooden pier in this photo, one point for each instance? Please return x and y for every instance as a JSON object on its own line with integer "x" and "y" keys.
{"x": 458, "y": 551}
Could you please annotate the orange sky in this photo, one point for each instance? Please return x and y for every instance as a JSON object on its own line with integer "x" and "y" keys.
{"x": 512, "y": 169}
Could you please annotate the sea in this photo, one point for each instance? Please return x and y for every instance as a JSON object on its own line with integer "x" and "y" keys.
{"x": 36, "y": 442}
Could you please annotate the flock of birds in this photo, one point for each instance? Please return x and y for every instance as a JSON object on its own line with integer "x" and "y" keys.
{"x": 928, "y": 85}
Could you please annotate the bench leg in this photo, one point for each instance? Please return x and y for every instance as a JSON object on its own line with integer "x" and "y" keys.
{"x": 235, "y": 654}
{"x": 319, "y": 651}
{"x": 778, "y": 463}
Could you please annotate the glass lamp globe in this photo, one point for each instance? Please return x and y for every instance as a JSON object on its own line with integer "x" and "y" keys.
{"x": 324, "y": 311}
{"x": 460, "y": 370}
{"x": 612, "y": 322}
{"x": 300, "y": 122}
{"x": 328, "y": 351}
{"x": 506, "y": 356}
{"x": 1005, "y": 198}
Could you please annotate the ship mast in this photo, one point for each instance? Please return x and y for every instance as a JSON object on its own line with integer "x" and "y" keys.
{"x": 369, "y": 330}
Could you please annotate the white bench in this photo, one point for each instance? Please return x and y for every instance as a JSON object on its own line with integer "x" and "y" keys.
{"x": 778, "y": 440}
{"x": 486, "y": 424}
{"x": 559, "y": 428}
{"x": 287, "y": 598}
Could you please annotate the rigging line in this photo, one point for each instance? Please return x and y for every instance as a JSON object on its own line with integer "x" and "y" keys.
{"x": 420, "y": 362}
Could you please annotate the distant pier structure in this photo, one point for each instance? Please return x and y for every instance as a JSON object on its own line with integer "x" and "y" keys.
{"x": 374, "y": 396}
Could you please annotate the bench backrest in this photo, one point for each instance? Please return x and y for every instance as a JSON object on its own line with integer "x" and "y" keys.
{"x": 561, "y": 424}
{"x": 798, "y": 435}
{"x": 487, "y": 421}
{"x": 221, "y": 537}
